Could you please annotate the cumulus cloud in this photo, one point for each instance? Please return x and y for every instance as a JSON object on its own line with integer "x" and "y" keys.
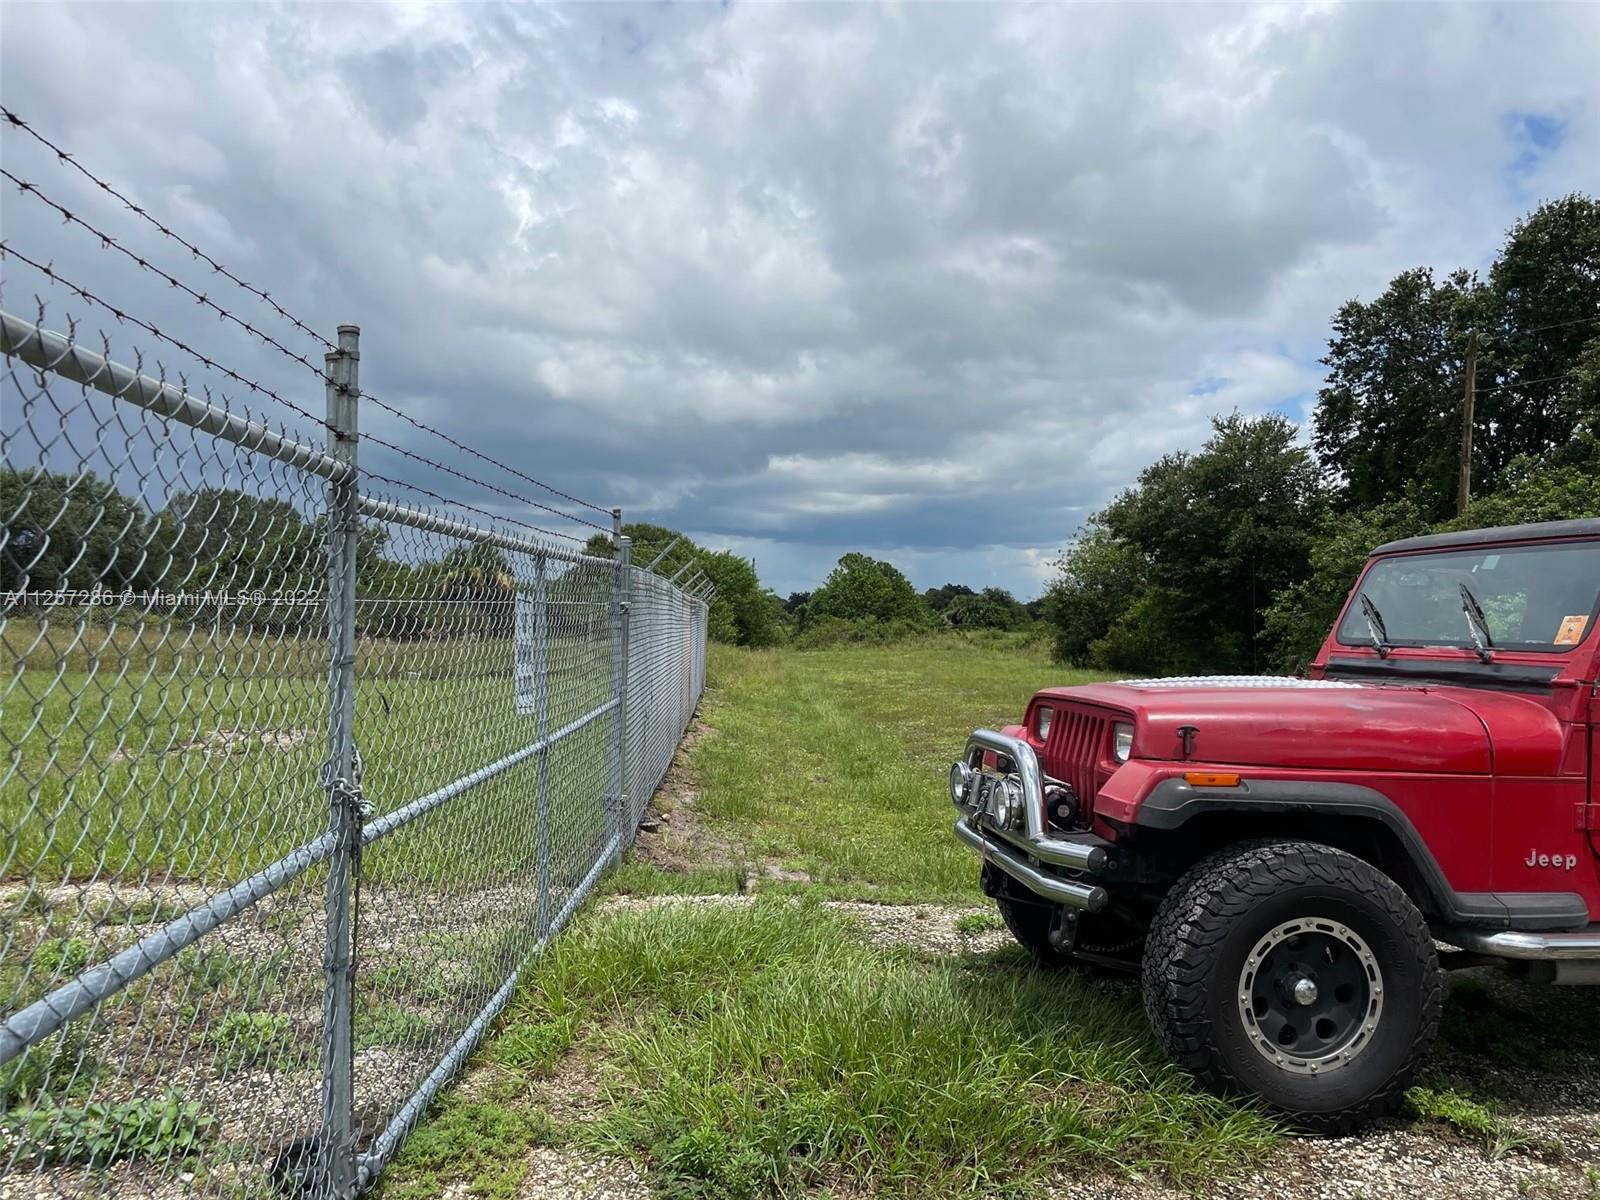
{"x": 931, "y": 281}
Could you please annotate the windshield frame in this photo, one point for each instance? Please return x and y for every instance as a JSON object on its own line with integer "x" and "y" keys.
{"x": 1348, "y": 624}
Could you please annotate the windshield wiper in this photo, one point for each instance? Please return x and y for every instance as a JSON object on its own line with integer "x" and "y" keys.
{"x": 1477, "y": 624}
{"x": 1375, "y": 625}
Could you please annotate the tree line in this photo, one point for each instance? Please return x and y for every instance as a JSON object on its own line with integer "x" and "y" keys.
{"x": 1238, "y": 556}
{"x": 77, "y": 533}
{"x": 862, "y": 599}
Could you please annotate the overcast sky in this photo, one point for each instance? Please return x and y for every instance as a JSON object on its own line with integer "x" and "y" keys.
{"x": 931, "y": 281}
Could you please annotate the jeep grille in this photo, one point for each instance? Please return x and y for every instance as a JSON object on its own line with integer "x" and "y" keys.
{"x": 1076, "y": 752}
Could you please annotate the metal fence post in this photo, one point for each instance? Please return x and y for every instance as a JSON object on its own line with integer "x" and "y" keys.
{"x": 336, "y": 1178}
{"x": 621, "y": 600}
{"x": 541, "y": 708}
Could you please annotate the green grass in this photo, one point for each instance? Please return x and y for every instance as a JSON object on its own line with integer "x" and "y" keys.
{"x": 197, "y": 756}
{"x": 770, "y": 1051}
{"x": 831, "y": 763}
{"x": 757, "y": 1052}
{"x": 482, "y": 1144}
{"x": 1471, "y": 1118}
{"x": 244, "y": 1040}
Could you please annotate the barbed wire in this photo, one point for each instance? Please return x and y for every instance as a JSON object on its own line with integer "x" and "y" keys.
{"x": 109, "y": 242}
{"x": 260, "y": 293}
{"x": 479, "y": 454}
{"x": 482, "y": 512}
{"x": 124, "y": 317}
{"x": 472, "y": 479}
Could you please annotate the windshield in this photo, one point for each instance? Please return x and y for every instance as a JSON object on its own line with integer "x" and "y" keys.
{"x": 1540, "y": 598}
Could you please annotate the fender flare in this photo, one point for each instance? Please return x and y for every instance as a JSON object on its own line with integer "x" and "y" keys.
{"x": 1173, "y": 803}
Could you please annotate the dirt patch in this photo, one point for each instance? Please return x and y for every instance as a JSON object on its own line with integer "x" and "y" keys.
{"x": 223, "y": 741}
{"x": 931, "y": 928}
{"x": 672, "y": 836}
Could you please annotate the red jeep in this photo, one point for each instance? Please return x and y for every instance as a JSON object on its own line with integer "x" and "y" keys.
{"x": 1278, "y": 856}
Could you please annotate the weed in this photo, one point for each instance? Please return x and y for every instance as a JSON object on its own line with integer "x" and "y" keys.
{"x": 249, "y": 1039}
{"x": 167, "y": 1126}
{"x": 390, "y": 1025}
{"x": 534, "y": 1045}
{"x": 235, "y": 977}
{"x": 420, "y": 979}
{"x": 1467, "y": 1116}
{"x": 484, "y": 1145}
{"x": 59, "y": 957}
{"x": 979, "y": 922}
{"x": 60, "y": 1064}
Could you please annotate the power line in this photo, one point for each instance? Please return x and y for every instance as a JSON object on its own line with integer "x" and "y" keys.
{"x": 1503, "y": 338}
{"x": 1561, "y": 324}
{"x": 1529, "y": 382}
{"x": 260, "y": 293}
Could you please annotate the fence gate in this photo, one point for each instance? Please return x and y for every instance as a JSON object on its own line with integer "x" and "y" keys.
{"x": 298, "y": 774}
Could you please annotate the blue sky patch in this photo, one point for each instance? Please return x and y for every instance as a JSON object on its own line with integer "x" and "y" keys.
{"x": 1535, "y": 136}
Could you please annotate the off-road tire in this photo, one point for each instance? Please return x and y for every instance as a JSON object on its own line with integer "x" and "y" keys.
{"x": 1206, "y": 928}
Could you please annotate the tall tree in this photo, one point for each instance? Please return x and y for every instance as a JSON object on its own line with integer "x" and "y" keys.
{"x": 861, "y": 588}
{"x": 742, "y": 611}
{"x": 1175, "y": 573}
{"x": 71, "y": 531}
{"x": 1388, "y": 420}
{"x": 1544, "y": 317}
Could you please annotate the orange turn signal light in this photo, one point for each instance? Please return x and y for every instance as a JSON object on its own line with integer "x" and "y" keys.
{"x": 1211, "y": 779}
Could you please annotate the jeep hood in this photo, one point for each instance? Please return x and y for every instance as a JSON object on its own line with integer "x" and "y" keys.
{"x": 1272, "y": 721}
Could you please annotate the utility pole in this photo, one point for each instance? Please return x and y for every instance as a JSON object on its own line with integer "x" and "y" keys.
{"x": 1468, "y": 403}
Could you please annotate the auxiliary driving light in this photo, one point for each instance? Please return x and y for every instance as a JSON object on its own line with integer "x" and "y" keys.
{"x": 1008, "y": 804}
{"x": 960, "y": 778}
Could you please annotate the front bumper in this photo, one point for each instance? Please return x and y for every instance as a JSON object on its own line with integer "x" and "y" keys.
{"x": 1034, "y": 855}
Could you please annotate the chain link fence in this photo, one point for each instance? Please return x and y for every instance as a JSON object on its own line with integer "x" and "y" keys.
{"x": 298, "y": 775}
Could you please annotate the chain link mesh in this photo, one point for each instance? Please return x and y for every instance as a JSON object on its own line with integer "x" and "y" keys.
{"x": 171, "y": 824}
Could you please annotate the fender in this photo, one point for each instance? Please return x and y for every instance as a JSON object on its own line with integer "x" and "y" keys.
{"x": 1173, "y": 803}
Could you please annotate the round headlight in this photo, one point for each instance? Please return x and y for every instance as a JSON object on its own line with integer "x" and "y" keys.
{"x": 1008, "y": 804}
{"x": 960, "y": 777}
{"x": 1121, "y": 742}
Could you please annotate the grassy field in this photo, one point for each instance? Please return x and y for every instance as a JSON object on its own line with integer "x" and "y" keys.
{"x": 195, "y": 755}
{"x": 744, "y": 1050}
{"x": 825, "y": 772}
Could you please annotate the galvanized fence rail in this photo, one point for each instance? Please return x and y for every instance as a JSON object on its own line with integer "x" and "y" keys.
{"x": 298, "y": 777}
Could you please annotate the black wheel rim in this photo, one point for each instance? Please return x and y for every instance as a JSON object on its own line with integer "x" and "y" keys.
{"x": 1310, "y": 995}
